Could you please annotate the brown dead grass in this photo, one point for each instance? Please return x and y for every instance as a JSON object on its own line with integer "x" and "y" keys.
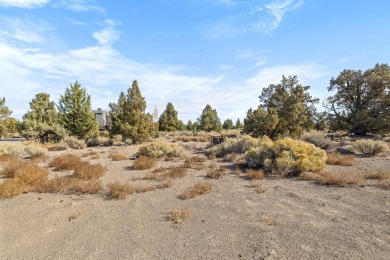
{"x": 39, "y": 158}
{"x": 117, "y": 157}
{"x": 26, "y": 177}
{"x": 343, "y": 160}
{"x": 379, "y": 175}
{"x": 199, "y": 188}
{"x": 237, "y": 171}
{"x": 87, "y": 171}
{"x": 119, "y": 191}
{"x": 255, "y": 174}
{"x": 259, "y": 187}
{"x": 179, "y": 215}
{"x": 143, "y": 162}
{"x": 11, "y": 166}
{"x": 216, "y": 173}
{"x": 7, "y": 157}
{"x": 65, "y": 162}
{"x": 334, "y": 178}
{"x": 161, "y": 173}
{"x": 231, "y": 157}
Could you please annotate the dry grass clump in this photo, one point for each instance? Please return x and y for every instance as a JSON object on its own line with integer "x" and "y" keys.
{"x": 255, "y": 174}
{"x": 216, "y": 173}
{"x": 237, "y": 171}
{"x": 231, "y": 157}
{"x": 379, "y": 175}
{"x": 179, "y": 215}
{"x": 318, "y": 139}
{"x": 65, "y": 162}
{"x": 161, "y": 173}
{"x": 40, "y": 158}
{"x": 260, "y": 188}
{"x": 198, "y": 189}
{"x": 343, "y": 160}
{"x": 12, "y": 165}
{"x": 87, "y": 171}
{"x": 117, "y": 156}
{"x": 119, "y": 191}
{"x": 74, "y": 142}
{"x": 61, "y": 146}
{"x": 190, "y": 139}
{"x": 88, "y": 187}
{"x": 26, "y": 177}
{"x": 195, "y": 162}
{"x": 334, "y": 178}
{"x": 370, "y": 147}
{"x": 6, "y": 157}
{"x": 144, "y": 162}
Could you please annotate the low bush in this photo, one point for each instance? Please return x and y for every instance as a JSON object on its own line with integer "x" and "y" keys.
{"x": 260, "y": 188}
{"x": 370, "y": 147}
{"x": 158, "y": 149}
{"x": 35, "y": 151}
{"x": 117, "y": 156}
{"x": 255, "y": 174}
{"x": 144, "y": 162}
{"x": 235, "y": 145}
{"x": 216, "y": 173}
{"x": 12, "y": 165}
{"x": 379, "y": 175}
{"x": 87, "y": 171}
{"x": 334, "y": 178}
{"x": 318, "y": 139}
{"x": 61, "y": 146}
{"x": 199, "y": 188}
{"x": 107, "y": 142}
{"x": 16, "y": 150}
{"x": 65, "y": 162}
{"x": 119, "y": 191}
{"x": 93, "y": 142}
{"x": 343, "y": 160}
{"x": 179, "y": 215}
{"x": 74, "y": 143}
{"x": 286, "y": 157}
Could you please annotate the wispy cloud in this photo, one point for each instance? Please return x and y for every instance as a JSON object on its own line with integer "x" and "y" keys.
{"x": 81, "y": 6}
{"x": 108, "y": 34}
{"x": 23, "y": 3}
{"x": 251, "y": 16}
{"x": 25, "y": 31}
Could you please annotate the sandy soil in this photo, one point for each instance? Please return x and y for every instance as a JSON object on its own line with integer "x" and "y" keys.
{"x": 293, "y": 219}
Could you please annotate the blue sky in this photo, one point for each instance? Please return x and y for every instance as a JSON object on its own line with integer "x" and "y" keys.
{"x": 188, "y": 52}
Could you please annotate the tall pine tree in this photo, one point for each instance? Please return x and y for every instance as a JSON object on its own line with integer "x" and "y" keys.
{"x": 168, "y": 120}
{"x": 75, "y": 112}
{"x": 128, "y": 117}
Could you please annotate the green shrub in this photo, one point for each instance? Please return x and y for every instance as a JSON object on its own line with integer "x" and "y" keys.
{"x": 286, "y": 157}
{"x": 235, "y": 145}
{"x": 93, "y": 142}
{"x": 318, "y": 139}
{"x": 159, "y": 149}
{"x": 370, "y": 147}
{"x": 35, "y": 150}
{"x": 74, "y": 143}
{"x": 16, "y": 150}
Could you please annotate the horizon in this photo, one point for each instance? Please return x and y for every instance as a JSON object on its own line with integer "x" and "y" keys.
{"x": 189, "y": 53}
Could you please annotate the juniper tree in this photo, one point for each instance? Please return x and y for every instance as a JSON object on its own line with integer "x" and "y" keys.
{"x": 75, "y": 114}
{"x": 208, "y": 120}
{"x": 128, "y": 117}
{"x": 168, "y": 120}
{"x": 4, "y": 113}
{"x": 227, "y": 124}
{"x": 286, "y": 109}
{"x": 361, "y": 103}
{"x": 41, "y": 121}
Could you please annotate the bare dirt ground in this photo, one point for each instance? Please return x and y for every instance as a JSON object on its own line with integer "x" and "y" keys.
{"x": 292, "y": 219}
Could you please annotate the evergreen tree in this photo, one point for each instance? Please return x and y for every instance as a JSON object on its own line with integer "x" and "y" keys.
{"x": 190, "y": 126}
{"x": 168, "y": 120}
{"x": 41, "y": 121}
{"x": 209, "y": 121}
{"x": 286, "y": 109}
{"x": 228, "y": 124}
{"x": 361, "y": 103}
{"x": 128, "y": 116}
{"x": 4, "y": 113}
{"x": 75, "y": 112}
{"x": 238, "y": 124}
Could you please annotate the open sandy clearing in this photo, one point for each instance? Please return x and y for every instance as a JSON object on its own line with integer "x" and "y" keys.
{"x": 292, "y": 219}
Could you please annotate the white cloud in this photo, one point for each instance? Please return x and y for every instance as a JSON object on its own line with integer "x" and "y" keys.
{"x": 23, "y": 3}
{"x": 81, "y": 6}
{"x": 108, "y": 34}
{"x": 22, "y": 31}
{"x": 251, "y": 16}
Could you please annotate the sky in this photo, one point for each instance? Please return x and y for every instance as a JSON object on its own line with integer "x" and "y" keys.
{"x": 187, "y": 52}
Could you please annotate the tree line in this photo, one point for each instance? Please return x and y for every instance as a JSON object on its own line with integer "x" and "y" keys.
{"x": 360, "y": 105}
